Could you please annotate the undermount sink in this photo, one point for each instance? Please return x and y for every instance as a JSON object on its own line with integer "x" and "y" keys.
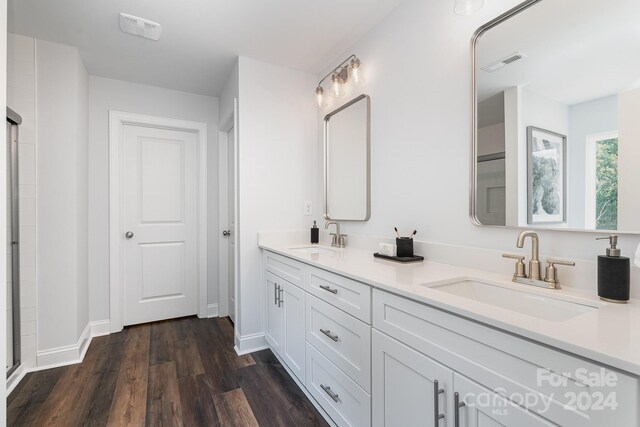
{"x": 313, "y": 249}
{"x": 530, "y": 304}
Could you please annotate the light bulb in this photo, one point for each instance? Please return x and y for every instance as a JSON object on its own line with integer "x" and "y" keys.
{"x": 319, "y": 96}
{"x": 336, "y": 85}
{"x": 356, "y": 72}
{"x": 467, "y": 7}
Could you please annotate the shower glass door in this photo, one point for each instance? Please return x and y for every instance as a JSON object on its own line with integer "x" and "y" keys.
{"x": 13, "y": 261}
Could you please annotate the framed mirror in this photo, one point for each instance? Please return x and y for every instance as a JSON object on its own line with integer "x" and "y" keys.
{"x": 347, "y": 158}
{"x": 556, "y": 119}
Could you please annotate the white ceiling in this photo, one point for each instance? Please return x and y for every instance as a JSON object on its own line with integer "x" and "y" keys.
{"x": 200, "y": 38}
{"x": 576, "y": 50}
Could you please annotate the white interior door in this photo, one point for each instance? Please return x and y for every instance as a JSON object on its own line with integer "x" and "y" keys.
{"x": 159, "y": 185}
{"x": 232, "y": 224}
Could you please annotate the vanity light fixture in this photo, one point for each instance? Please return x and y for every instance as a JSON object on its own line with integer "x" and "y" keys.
{"x": 336, "y": 85}
{"x": 467, "y": 7}
{"x": 349, "y": 70}
{"x": 319, "y": 95}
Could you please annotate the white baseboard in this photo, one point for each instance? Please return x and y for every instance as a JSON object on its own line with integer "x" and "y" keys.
{"x": 69, "y": 355}
{"x": 249, "y": 343}
{"x": 212, "y": 310}
{"x": 100, "y": 328}
{"x": 16, "y": 377}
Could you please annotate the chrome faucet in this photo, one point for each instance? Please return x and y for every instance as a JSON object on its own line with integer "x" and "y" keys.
{"x": 534, "y": 264}
{"x": 338, "y": 240}
{"x": 534, "y": 277}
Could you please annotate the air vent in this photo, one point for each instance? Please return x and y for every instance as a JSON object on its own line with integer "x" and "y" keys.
{"x": 140, "y": 27}
{"x": 509, "y": 59}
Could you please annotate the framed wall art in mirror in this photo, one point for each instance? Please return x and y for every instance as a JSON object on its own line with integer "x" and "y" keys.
{"x": 546, "y": 195}
{"x": 556, "y": 101}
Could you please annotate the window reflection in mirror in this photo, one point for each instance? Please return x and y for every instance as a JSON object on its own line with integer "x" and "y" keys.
{"x": 557, "y": 141}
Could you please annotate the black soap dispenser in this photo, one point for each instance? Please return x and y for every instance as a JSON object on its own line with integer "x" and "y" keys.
{"x": 614, "y": 272}
{"x": 315, "y": 233}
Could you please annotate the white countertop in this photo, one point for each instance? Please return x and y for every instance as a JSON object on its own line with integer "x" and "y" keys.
{"x": 609, "y": 334}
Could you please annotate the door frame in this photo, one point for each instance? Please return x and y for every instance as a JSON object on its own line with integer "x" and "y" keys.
{"x": 228, "y": 123}
{"x": 117, "y": 121}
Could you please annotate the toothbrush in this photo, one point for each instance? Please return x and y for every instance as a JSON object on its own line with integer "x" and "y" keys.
{"x": 397, "y": 234}
{"x": 413, "y": 234}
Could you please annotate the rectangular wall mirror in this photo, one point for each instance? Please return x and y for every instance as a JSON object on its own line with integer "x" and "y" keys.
{"x": 556, "y": 135}
{"x": 347, "y": 175}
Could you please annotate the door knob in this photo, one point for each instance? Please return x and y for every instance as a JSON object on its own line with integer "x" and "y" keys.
{"x": 226, "y": 233}
{"x": 128, "y": 234}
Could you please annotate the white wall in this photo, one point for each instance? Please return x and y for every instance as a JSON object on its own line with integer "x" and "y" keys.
{"x": 491, "y": 139}
{"x": 82, "y": 157}
{"x": 278, "y": 170}
{"x": 587, "y": 118}
{"x": 21, "y": 97}
{"x": 61, "y": 82}
{"x": 418, "y": 68}
{"x": 108, "y": 94}
{"x": 229, "y": 93}
{"x": 3, "y": 207}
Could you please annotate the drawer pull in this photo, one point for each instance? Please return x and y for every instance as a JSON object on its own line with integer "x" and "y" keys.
{"x": 328, "y": 289}
{"x": 327, "y": 332}
{"x": 456, "y": 408}
{"x": 331, "y": 394}
{"x": 437, "y": 391}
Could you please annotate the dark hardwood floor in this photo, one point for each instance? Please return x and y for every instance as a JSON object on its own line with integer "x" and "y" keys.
{"x": 181, "y": 372}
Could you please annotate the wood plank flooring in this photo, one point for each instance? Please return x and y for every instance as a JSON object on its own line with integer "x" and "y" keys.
{"x": 181, "y": 372}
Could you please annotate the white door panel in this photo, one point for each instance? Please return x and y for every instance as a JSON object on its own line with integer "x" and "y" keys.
{"x": 159, "y": 184}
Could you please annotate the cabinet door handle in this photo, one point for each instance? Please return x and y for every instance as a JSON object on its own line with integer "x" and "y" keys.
{"x": 328, "y": 289}
{"x": 275, "y": 294}
{"x": 456, "y": 407}
{"x": 437, "y": 391}
{"x": 280, "y": 300}
{"x": 327, "y": 332}
{"x": 331, "y": 394}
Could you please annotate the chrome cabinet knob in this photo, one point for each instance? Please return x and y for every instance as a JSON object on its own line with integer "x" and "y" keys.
{"x": 226, "y": 233}
{"x": 128, "y": 234}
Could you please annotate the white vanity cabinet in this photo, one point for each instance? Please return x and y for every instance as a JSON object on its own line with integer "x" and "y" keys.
{"x": 274, "y": 313}
{"x": 409, "y": 388}
{"x": 502, "y": 379}
{"x": 284, "y": 322}
{"x": 370, "y": 357}
{"x": 319, "y": 324}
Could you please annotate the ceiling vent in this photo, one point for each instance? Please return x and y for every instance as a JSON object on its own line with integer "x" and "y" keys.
{"x": 509, "y": 59}
{"x": 140, "y": 27}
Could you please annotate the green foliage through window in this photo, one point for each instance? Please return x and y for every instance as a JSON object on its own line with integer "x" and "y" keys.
{"x": 607, "y": 184}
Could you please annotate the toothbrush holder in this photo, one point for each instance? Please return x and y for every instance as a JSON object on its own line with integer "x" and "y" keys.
{"x": 404, "y": 247}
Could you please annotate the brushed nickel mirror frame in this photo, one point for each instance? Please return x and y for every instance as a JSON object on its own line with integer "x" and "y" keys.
{"x": 327, "y": 118}
{"x": 473, "y": 196}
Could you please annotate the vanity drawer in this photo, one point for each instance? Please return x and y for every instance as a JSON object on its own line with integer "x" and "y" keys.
{"x": 286, "y": 268}
{"x": 346, "y": 403}
{"x": 346, "y": 294}
{"x": 511, "y": 365}
{"x": 346, "y": 341}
